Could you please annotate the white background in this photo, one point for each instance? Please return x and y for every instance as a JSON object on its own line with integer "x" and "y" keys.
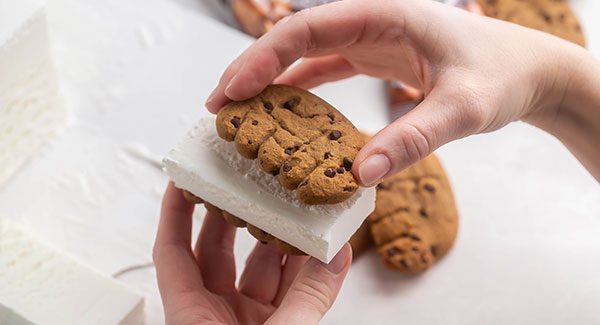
{"x": 135, "y": 75}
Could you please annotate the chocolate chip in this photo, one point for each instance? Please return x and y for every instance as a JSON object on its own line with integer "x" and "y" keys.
{"x": 392, "y": 251}
{"x": 275, "y": 172}
{"x": 335, "y": 134}
{"x": 268, "y": 107}
{"x": 286, "y": 167}
{"x": 327, "y": 155}
{"x": 415, "y": 237}
{"x": 347, "y": 162}
{"x": 250, "y": 141}
{"x": 289, "y": 151}
{"x": 424, "y": 259}
{"x": 429, "y": 188}
{"x": 331, "y": 116}
{"x": 381, "y": 186}
{"x": 263, "y": 242}
{"x": 306, "y": 142}
{"x": 236, "y": 121}
{"x": 348, "y": 189}
{"x": 254, "y": 122}
{"x": 423, "y": 213}
{"x": 291, "y": 103}
{"x": 340, "y": 170}
{"x": 434, "y": 250}
{"x": 546, "y": 16}
{"x": 329, "y": 172}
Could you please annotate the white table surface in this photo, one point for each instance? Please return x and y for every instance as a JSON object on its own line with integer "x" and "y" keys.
{"x": 135, "y": 75}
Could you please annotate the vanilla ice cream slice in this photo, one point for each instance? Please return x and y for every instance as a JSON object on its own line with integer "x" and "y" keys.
{"x": 212, "y": 169}
{"x": 31, "y": 108}
{"x": 41, "y": 285}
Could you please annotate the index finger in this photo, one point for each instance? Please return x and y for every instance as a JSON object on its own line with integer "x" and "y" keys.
{"x": 311, "y": 31}
{"x": 176, "y": 268}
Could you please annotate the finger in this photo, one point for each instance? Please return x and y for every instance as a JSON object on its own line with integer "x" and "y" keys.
{"x": 260, "y": 279}
{"x": 292, "y": 266}
{"x": 442, "y": 117}
{"x": 314, "y": 290}
{"x": 313, "y": 72}
{"x": 215, "y": 254}
{"x": 217, "y": 97}
{"x": 176, "y": 268}
{"x": 333, "y": 25}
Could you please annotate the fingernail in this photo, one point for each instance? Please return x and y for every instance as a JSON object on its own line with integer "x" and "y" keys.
{"x": 372, "y": 170}
{"x": 337, "y": 264}
{"x": 228, "y": 88}
{"x": 210, "y": 98}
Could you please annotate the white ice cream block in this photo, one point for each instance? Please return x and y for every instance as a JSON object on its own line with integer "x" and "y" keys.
{"x": 212, "y": 169}
{"x": 40, "y": 285}
{"x": 31, "y": 111}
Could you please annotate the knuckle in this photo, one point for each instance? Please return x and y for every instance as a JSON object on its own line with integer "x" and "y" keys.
{"x": 315, "y": 292}
{"x": 417, "y": 142}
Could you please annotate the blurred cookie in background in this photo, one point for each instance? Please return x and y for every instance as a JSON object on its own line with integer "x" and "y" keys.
{"x": 256, "y": 17}
{"x": 551, "y": 16}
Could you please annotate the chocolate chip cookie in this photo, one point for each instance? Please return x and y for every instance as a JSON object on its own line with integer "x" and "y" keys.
{"x": 297, "y": 136}
{"x": 256, "y": 17}
{"x": 415, "y": 218}
{"x": 361, "y": 240}
{"x": 256, "y": 232}
{"x": 551, "y": 16}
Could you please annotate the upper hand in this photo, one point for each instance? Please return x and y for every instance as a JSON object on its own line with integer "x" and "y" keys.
{"x": 478, "y": 74}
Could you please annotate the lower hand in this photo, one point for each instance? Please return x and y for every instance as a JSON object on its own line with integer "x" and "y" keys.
{"x": 198, "y": 286}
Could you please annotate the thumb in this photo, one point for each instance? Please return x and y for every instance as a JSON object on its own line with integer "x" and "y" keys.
{"x": 314, "y": 290}
{"x": 436, "y": 121}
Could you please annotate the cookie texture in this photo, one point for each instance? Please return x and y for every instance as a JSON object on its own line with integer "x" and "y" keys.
{"x": 551, "y": 16}
{"x": 297, "y": 136}
{"x": 256, "y": 232}
{"x": 361, "y": 240}
{"x": 415, "y": 218}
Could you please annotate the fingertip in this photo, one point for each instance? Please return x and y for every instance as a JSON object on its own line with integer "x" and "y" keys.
{"x": 216, "y": 101}
{"x": 372, "y": 169}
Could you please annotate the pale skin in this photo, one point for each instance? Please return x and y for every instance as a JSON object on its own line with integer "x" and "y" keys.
{"x": 478, "y": 75}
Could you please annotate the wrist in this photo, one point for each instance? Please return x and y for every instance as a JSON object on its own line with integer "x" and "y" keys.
{"x": 570, "y": 108}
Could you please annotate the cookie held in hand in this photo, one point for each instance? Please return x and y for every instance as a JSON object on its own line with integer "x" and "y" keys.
{"x": 415, "y": 219}
{"x": 297, "y": 136}
{"x": 551, "y": 16}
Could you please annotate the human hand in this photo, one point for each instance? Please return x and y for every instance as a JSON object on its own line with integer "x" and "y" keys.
{"x": 477, "y": 73}
{"x": 198, "y": 286}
